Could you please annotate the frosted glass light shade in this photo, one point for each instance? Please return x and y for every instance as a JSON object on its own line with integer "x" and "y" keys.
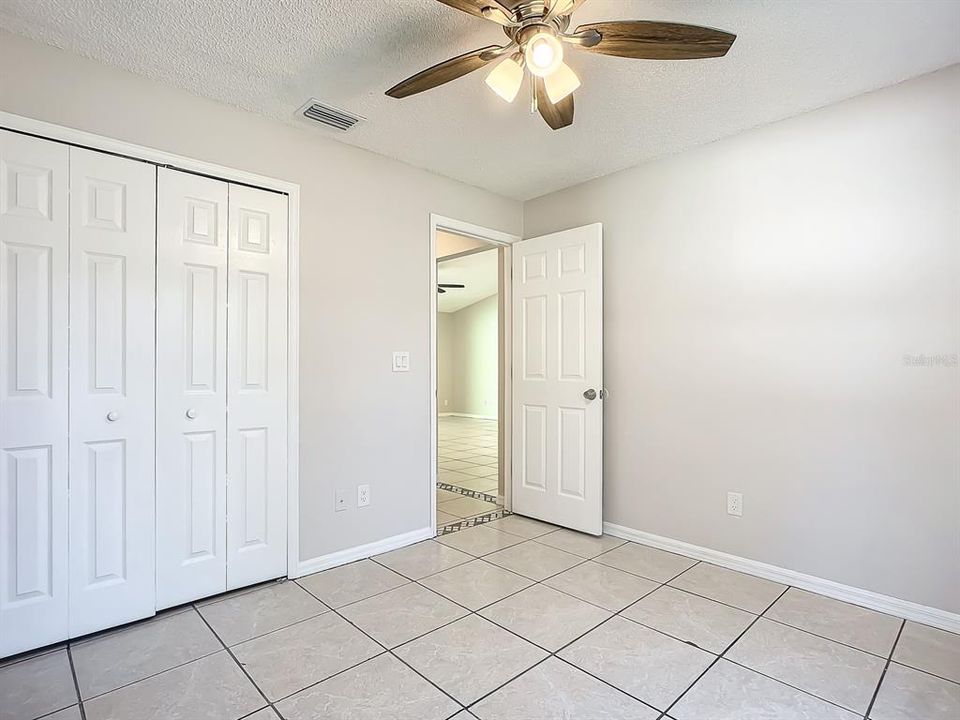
{"x": 543, "y": 53}
{"x": 505, "y": 79}
{"x": 560, "y": 83}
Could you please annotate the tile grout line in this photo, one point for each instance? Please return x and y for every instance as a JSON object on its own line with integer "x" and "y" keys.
{"x": 720, "y": 656}
{"x": 236, "y": 661}
{"x": 807, "y": 632}
{"x": 151, "y": 675}
{"x": 777, "y": 680}
{"x": 555, "y": 654}
{"x": 508, "y": 630}
{"x": 673, "y": 587}
{"x": 188, "y": 607}
{"x": 828, "y": 639}
{"x": 793, "y": 687}
{"x": 26, "y": 655}
{"x": 76, "y": 683}
{"x": 527, "y": 640}
{"x": 386, "y": 650}
{"x": 883, "y": 674}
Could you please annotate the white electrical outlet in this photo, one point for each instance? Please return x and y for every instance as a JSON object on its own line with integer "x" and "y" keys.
{"x": 735, "y": 504}
{"x": 363, "y": 495}
{"x": 339, "y": 501}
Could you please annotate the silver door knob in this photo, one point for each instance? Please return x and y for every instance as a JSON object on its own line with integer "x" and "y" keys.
{"x": 590, "y": 394}
{"x": 191, "y": 413}
{"x": 112, "y": 416}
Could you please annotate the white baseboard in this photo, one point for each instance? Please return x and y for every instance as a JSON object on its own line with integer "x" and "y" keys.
{"x": 865, "y": 598}
{"x": 342, "y": 557}
{"x": 467, "y": 415}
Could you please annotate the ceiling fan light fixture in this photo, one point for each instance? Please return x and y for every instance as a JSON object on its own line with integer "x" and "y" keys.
{"x": 560, "y": 83}
{"x": 505, "y": 79}
{"x": 543, "y": 53}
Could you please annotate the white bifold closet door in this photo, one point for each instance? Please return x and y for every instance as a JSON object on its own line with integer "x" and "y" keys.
{"x": 191, "y": 387}
{"x": 256, "y": 386}
{"x": 34, "y": 258}
{"x": 221, "y": 387}
{"x": 112, "y": 296}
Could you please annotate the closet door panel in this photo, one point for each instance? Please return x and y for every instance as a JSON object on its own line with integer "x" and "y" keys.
{"x": 257, "y": 387}
{"x": 112, "y": 295}
{"x": 191, "y": 387}
{"x": 34, "y": 255}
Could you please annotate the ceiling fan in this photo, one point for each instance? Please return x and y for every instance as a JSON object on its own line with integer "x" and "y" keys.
{"x": 537, "y": 30}
{"x": 441, "y": 287}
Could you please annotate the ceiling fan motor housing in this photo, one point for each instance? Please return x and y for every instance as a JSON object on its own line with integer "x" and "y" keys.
{"x": 531, "y": 21}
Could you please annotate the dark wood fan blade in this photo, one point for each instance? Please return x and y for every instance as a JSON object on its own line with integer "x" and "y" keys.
{"x": 557, "y": 116}
{"x": 442, "y": 73}
{"x": 658, "y": 40}
{"x": 450, "y": 285}
{"x": 475, "y": 7}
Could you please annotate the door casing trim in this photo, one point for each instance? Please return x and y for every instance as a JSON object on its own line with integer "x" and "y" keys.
{"x": 502, "y": 240}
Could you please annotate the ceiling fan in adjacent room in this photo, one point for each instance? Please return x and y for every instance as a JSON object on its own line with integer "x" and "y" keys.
{"x": 537, "y": 30}
{"x": 442, "y": 287}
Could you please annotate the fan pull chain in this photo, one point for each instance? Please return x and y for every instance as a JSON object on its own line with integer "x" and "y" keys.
{"x": 533, "y": 95}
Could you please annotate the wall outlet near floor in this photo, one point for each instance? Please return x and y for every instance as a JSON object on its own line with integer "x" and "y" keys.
{"x": 339, "y": 501}
{"x": 363, "y": 495}
{"x": 735, "y": 504}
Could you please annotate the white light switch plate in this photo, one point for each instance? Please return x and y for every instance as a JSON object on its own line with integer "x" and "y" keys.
{"x": 401, "y": 361}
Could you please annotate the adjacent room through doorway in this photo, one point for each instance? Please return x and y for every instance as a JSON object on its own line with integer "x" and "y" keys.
{"x": 469, "y": 477}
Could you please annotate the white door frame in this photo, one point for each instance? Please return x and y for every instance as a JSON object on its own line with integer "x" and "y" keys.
{"x": 81, "y": 138}
{"x": 496, "y": 238}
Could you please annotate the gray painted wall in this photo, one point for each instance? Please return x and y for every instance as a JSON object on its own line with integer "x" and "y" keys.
{"x": 760, "y": 296}
{"x": 468, "y": 359}
{"x": 446, "y": 341}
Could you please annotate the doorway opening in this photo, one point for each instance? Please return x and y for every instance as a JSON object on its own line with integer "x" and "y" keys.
{"x": 470, "y": 333}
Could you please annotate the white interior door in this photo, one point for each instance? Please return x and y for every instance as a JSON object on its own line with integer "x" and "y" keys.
{"x": 34, "y": 257}
{"x": 191, "y": 387}
{"x": 558, "y": 378}
{"x": 256, "y": 386}
{"x": 112, "y": 249}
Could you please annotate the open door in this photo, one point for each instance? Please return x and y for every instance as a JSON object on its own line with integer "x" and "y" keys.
{"x": 558, "y": 378}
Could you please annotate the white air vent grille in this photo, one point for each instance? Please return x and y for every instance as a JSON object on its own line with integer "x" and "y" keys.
{"x": 330, "y": 116}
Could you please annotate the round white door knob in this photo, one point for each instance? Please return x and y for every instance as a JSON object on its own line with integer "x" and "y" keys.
{"x": 191, "y": 413}
{"x": 112, "y": 415}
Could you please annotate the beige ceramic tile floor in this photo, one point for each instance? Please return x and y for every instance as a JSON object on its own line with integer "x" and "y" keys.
{"x": 466, "y": 459}
{"x": 512, "y": 620}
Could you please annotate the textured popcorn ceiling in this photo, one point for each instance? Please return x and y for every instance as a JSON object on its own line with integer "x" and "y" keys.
{"x": 270, "y": 56}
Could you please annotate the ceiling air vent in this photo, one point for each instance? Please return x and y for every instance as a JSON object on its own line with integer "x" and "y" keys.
{"x": 330, "y": 116}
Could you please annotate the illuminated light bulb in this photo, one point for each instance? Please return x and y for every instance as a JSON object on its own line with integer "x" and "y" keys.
{"x": 543, "y": 53}
{"x": 560, "y": 83}
{"x": 505, "y": 79}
